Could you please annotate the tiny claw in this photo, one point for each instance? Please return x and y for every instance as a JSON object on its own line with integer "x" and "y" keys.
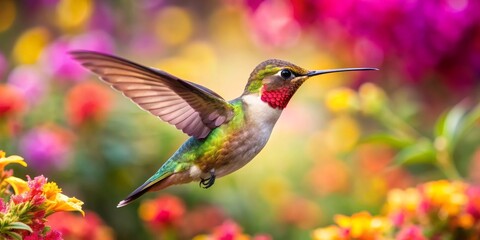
{"x": 208, "y": 182}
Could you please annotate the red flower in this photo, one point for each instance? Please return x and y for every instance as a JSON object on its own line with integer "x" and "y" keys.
{"x": 162, "y": 212}
{"x": 74, "y": 226}
{"x": 12, "y": 102}
{"x": 87, "y": 102}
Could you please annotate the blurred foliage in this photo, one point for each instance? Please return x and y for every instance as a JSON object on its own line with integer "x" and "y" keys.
{"x": 341, "y": 144}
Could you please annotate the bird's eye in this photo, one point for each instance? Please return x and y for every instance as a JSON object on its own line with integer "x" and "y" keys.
{"x": 286, "y": 74}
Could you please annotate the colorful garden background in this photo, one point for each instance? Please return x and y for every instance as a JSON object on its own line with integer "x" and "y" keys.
{"x": 353, "y": 156}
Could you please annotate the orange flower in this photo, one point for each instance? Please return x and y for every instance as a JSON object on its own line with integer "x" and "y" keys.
{"x": 87, "y": 102}
{"x": 12, "y": 101}
{"x": 300, "y": 212}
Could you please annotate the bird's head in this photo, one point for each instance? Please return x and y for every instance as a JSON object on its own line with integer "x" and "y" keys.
{"x": 276, "y": 80}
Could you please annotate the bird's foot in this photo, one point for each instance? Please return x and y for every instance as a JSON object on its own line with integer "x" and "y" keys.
{"x": 208, "y": 182}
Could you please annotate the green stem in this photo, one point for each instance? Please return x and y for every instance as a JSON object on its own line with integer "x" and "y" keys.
{"x": 397, "y": 125}
{"x": 444, "y": 159}
{"x": 4, "y": 135}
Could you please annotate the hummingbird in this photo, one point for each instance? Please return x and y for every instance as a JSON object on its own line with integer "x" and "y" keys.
{"x": 224, "y": 135}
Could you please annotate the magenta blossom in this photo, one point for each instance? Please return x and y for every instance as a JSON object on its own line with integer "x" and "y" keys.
{"x": 60, "y": 64}
{"x": 3, "y": 65}
{"x": 45, "y": 148}
{"x": 29, "y": 81}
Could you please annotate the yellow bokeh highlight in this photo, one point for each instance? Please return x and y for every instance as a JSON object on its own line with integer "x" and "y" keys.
{"x": 328, "y": 233}
{"x": 30, "y": 45}
{"x": 227, "y": 27}
{"x": 196, "y": 62}
{"x": 372, "y": 98}
{"x": 403, "y": 200}
{"x": 8, "y": 13}
{"x": 275, "y": 190}
{"x": 342, "y": 134}
{"x": 341, "y": 100}
{"x": 73, "y": 14}
{"x": 173, "y": 26}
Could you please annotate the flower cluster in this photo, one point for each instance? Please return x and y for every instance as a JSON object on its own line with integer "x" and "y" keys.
{"x": 434, "y": 210}
{"x": 23, "y": 212}
{"x": 229, "y": 230}
{"x": 168, "y": 218}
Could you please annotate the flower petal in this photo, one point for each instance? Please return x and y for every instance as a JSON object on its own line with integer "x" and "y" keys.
{"x": 19, "y": 185}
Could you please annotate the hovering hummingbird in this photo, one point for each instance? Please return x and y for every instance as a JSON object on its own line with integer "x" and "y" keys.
{"x": 224, "y": 135}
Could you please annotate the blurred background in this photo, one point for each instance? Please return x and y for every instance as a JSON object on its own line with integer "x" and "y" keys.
{"x": 344, "y": 140}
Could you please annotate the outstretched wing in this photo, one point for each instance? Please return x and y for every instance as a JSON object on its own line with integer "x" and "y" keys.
{"x": 192, "y": 108}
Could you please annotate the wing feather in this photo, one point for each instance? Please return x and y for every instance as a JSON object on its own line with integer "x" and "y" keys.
{"x": 192, "y": 108}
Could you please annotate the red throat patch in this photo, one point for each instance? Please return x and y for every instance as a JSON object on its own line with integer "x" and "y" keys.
{"x": 279, "y": 98}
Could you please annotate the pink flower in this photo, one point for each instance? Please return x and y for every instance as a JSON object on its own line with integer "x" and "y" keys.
{"x": 35, "y": 194}
{"x": 274, "y": 25}
{"x": 410, "y": 233}
{"x": 473, "y": 204}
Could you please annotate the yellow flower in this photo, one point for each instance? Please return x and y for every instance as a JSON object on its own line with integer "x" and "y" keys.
{"x": 449, "y": 197}
{"x": 362, "y": 225}
{"x": 63, "y": 203}
{"x": 51, "y": 190}
{"x": 403, "y": 200}
{"x": 19, "y": 185}
{"x": 4, "y": 161}
{"x": 30, "y": 45}
{"x": 327, "y": 233}
{"x": 74, "y": 15}
{"x": 341, "y": 100}
{"x": 56, "y": 201}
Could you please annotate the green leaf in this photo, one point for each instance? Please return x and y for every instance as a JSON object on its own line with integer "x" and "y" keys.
{"x": 450, "y": 125}
{"x": 421, "y": 152}
{"x": 440, "y": 125}
{"x": 14, "y": 235}
{"x": 19, "y": 226}
{"x": 389, "y": 139}
{"x": 470, "y": 120}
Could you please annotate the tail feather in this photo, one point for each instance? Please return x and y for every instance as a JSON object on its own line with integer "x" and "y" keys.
{"x": 134, "y": 195}
{"x": 149, "y": 185}
{"x": 156, "y": 184}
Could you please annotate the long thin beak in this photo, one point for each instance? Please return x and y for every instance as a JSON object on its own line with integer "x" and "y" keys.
{"x": 318, "y": 72}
